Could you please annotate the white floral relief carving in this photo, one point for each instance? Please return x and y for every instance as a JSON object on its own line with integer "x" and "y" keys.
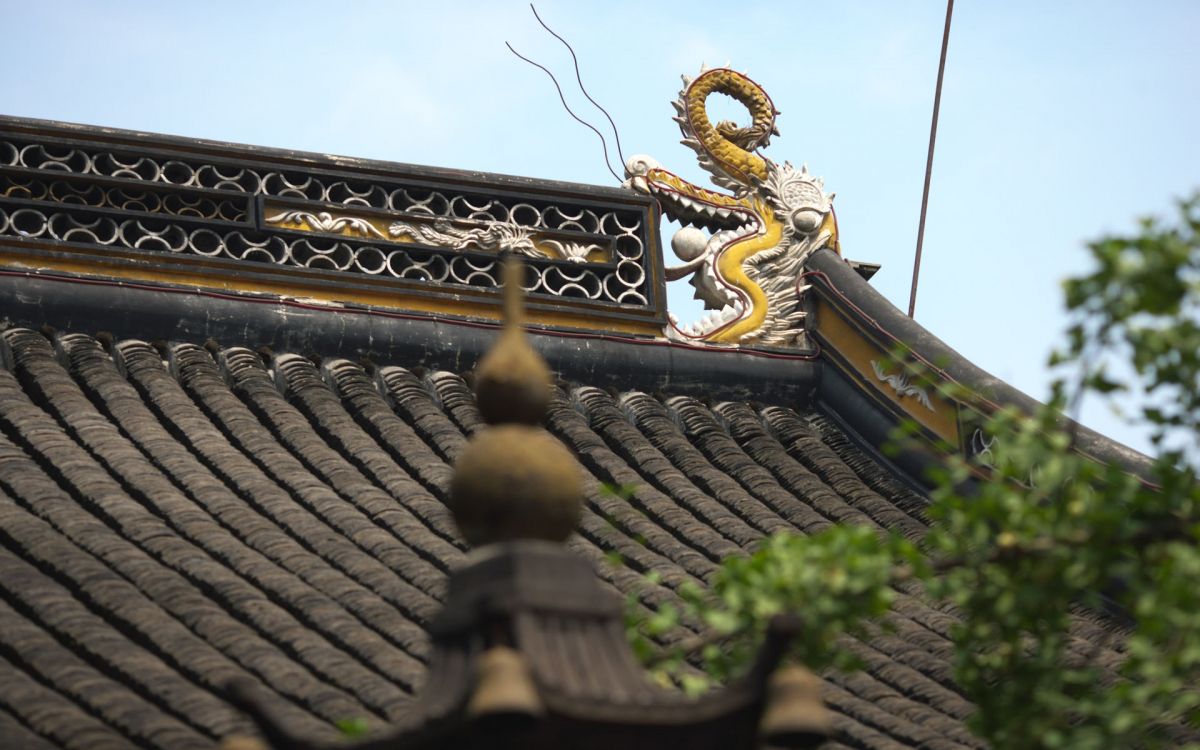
{"x": 494, "y": 236}
{"x": 576, "y": 252}
{"x": 323, "y": 221}
{"x": 901, "y": 385}
{"x": 981, "y": 447}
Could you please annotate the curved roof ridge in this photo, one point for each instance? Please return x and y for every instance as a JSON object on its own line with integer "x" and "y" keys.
{"x": 860, "y": 332}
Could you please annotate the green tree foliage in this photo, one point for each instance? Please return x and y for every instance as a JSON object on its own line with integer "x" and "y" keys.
{"x": 1048, "y": 534}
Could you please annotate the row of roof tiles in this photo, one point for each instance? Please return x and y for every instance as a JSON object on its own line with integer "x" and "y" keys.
{"x": 178, "y": 516}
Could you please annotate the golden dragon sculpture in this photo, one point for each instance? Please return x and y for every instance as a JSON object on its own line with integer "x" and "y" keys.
{"x": 748, "y": 267}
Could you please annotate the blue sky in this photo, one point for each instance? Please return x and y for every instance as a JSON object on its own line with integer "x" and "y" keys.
{"x": 1060, "y": 121}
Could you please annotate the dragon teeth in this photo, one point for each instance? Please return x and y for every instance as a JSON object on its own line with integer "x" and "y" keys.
{"x": 709, "y": 323}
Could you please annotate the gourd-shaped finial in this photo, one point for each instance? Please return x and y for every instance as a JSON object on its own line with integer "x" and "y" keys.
{"x": 512, "y": 381}
{"x": 514, "y": 480}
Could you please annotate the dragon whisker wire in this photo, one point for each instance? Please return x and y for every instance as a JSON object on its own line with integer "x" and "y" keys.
{"x": 579, "y": 78}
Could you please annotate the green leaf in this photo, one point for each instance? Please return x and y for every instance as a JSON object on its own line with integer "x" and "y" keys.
{"x": 353, "y": 727}
{"x": 622, "y": 491}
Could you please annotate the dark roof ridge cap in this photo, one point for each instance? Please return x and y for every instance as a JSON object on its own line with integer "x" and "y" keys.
{"x": 123, "y": 136}
{"x": 173, "y": 314}
{"x": 875, "y": 309}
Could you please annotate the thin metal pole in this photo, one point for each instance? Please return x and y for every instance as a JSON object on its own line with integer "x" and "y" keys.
{"x": 937, "y": 104}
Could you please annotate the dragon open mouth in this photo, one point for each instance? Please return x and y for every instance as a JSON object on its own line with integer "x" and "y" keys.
{"x": 735, "y": 309}
{"x": 729, "y": 221}
{"x": 699, "y": 208}
{"x": 743, "y": 251}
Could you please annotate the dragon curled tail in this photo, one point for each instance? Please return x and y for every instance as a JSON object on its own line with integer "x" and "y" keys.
{"x": 748, "y": 267}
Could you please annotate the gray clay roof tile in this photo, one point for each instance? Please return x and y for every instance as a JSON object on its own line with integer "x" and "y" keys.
{"x": 176, "y": 516}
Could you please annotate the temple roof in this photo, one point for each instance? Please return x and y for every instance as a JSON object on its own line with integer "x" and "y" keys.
{"x": 176, "y": 517}
{"x": 215, "y": 468}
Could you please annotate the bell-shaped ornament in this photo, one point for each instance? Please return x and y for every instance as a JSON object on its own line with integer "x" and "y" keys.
{"x": 505, "y": 698}
{"x": 794, "y": 715}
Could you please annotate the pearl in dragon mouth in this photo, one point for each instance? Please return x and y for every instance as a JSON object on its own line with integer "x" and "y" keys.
{"x": 689, "y": 243}
{"x": 696, "y": 249}
{"x": 711, "y": 223}
{"x": 724, "y": 303}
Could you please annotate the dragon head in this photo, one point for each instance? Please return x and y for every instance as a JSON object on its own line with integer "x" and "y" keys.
{"x": 747, "y": 266}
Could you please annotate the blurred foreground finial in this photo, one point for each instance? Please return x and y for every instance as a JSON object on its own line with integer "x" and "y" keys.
{"x": 512, "y": 381}
{"x": 514, "y": 480}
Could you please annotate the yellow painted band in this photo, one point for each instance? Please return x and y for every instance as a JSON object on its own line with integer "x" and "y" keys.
{"x": 859, "y": 351}
{"x": 730, "y": 267}
{"x": 393, "y": 299}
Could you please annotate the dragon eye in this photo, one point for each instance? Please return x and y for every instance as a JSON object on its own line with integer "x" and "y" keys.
{"x": 806, "y": 220}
